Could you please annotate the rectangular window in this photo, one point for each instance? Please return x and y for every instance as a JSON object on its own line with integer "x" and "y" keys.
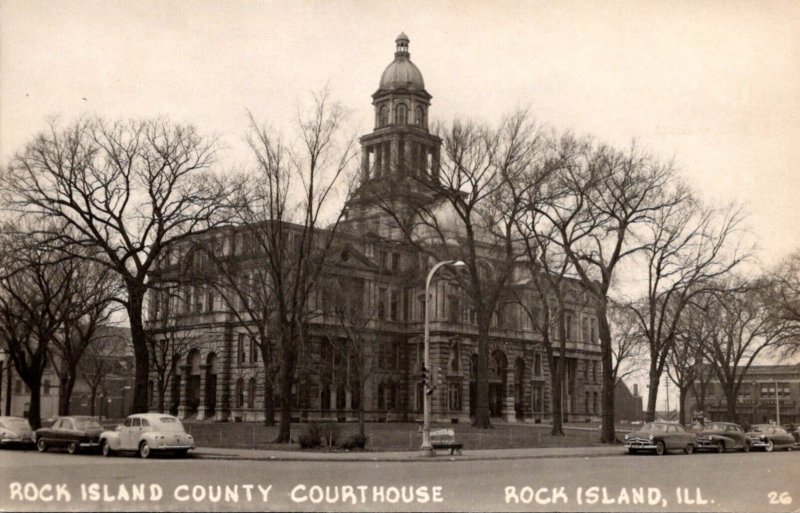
{"x": 382, "y": 291}
{"x": 383, "y": 260}
{"x": 210, "y": 300}
{"x": 240, "y": 358}
{"x": 253, "y": 349}
{"x": 198, "y": 299}
{"x": 537, "y": 364}
{"x": 538, "y": 398}
{"x": 395, "y": 262}
{"x": 454, "y": 396}
{"x": 394, "y": 305}
{"x": 46, "y": 387}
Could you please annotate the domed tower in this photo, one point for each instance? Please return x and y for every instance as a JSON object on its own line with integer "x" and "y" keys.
{"x": 400, "y": 151}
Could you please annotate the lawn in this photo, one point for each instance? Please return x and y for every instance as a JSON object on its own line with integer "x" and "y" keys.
{"x": 394, "y": 436}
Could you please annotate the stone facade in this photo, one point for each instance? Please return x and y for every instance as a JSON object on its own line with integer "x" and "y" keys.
{"x": 222, "y": 379}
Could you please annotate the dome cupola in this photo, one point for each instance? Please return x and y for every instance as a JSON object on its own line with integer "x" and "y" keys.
{"x": 402, "y": 73}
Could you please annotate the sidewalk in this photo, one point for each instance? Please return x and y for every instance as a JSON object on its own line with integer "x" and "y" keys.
{"x": 407, "y": 456}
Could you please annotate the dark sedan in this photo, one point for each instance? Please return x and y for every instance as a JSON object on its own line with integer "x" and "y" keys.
{"x": 661, "y": 437}
{"x": 770, "y": 437}
{"x": 72, "y": 433}
{"x": 722, "y": 436}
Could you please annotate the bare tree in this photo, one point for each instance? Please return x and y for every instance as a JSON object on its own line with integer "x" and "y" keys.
{"x": 784, "y": 304}
{"x": 629, "y": 346}
{"x": 34, "y": 297}
{"x": 118, "y": 193}
{"x": 741, "y": 329}
{"x": 607, "y": 195}
{"x": 284, "y": 209}
{"x": 89, "y": 307}
{"x": 465, "y": 210}
{"x": 101, "y": 359}
{"x": 687, "y": 248}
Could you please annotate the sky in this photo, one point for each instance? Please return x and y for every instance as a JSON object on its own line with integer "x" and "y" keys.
{"x": 713, "y": 85}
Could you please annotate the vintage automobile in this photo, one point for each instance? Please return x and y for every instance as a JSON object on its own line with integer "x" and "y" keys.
{"x": 661, "y": 437}
{"x": 71, "y": 432}
{"x": 722, "y": 436}
{"x": 147, "y": 433}
{"x": 770, "y": 437}
{"x": 15, "y": 431}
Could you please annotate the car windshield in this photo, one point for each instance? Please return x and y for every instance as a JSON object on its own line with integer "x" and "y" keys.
{"x": 170, "y": 424}
{"x": 763, "y": 429}
{"x": 655, "y": 428}
{"x": 715, "y": 427}
{"x": 87, "y": 424}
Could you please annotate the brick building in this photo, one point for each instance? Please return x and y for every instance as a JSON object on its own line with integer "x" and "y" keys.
{"x": 222, "y": 376}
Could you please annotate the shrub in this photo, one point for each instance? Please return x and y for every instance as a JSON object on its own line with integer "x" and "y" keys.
{"x": 311, "y": 438}
{"x": 357, "y": 441}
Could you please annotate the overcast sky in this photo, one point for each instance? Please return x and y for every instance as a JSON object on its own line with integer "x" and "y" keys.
{"x": 716, "y": 85}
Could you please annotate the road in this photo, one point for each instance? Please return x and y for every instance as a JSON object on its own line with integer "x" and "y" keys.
{"x": 711, "y": 482}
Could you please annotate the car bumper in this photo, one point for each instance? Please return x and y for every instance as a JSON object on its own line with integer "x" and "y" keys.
{"x": 17, "y": 441}
{"x": 641, "y": 446}
{"x": 759, "y": 444}
{"x": 89, "y": 445}
{"x": 172, "y": 447}
{"x": 706, "y": 444}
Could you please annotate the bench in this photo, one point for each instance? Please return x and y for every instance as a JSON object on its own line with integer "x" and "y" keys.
{"x": 445, "y": 439}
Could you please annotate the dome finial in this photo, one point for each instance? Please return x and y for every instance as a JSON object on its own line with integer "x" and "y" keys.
{"x": 402, "y": 45}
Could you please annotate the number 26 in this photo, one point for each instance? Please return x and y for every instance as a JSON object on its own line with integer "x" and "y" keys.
{"x": 782, "y": 498}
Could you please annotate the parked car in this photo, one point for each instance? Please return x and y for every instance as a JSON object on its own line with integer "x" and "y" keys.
{"x": 722, "y": 436}
{"x": 146, "y": 433}
{"x": 770, "y": 437}
{"x": 15, "y": 431}
{"x": 71, "y": 432}
{"x": 661, "y": 437}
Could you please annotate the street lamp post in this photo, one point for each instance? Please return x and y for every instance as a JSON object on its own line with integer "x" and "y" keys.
{"x": 777, "y": 405}
{"x": 427, "y": 449}
{"x": 124, "y": 389}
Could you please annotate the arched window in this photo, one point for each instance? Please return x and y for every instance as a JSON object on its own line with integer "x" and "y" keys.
{"x": 240, "y": 393}
{"x": 383, "y": 116}
{"x": 341, "y": 397}
{"x": 594, "y": 403}
{"x": 401, "y": 114}
{"x": 419, "y": 116}
{"x": 251, "y": 393}
{"x": 586, "y": 403}
{"x": 325, "y": 397}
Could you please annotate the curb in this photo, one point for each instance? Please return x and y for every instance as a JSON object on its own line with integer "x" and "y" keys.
{"x": 412, "y": 458}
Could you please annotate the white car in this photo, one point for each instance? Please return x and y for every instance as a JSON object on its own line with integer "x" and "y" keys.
{"x": 146, "y": 433}
{"x": 15, "y": 431}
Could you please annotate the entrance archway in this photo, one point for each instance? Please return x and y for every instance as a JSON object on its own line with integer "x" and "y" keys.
{"x": 193, "y": 382}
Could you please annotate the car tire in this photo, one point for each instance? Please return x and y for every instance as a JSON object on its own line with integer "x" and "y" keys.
{"x": 689, "y": 449}
{"x": 181, "y": 453}
{"x": 720, "y": 446}
{"x": 746, "y": 447}
{"x": 41, "y": 445}
{"x": 144, "y": 450}
{"x": 661, "y": 449}
{"x": 105, "y": 449}
{"x": 770, "y": 446}
{"x": 72, "y": 447}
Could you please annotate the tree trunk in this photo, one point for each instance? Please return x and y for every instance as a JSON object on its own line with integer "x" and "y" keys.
{"x": 682, "y": 404}
{"x": 140, "y": 352}
{"x": 269, "y": 399}
{"x": 162, "y": 392}
{"x": 654, "y": 378}
{"x": 286, "y": 382}
{"x": 482, "y": 413}
{"x": 34, "y": 409}
{"x": 66, "y": 385}
{"x": 556, "y": 379}
{"x": 92, "y": 401}
{"x": 730, "y": 399}
{"x": 608, "y": 433}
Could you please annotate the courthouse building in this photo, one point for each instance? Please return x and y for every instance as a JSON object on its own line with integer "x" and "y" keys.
{"x": 222, "y": 376}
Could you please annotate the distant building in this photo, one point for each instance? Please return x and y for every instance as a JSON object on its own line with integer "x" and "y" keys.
{"x": 627, "y": 405}
{"x": 756, "y": 404}
{"x": 114, "y": 396}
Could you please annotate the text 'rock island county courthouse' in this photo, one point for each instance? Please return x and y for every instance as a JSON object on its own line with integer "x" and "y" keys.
{"x": 222, "y": 377}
